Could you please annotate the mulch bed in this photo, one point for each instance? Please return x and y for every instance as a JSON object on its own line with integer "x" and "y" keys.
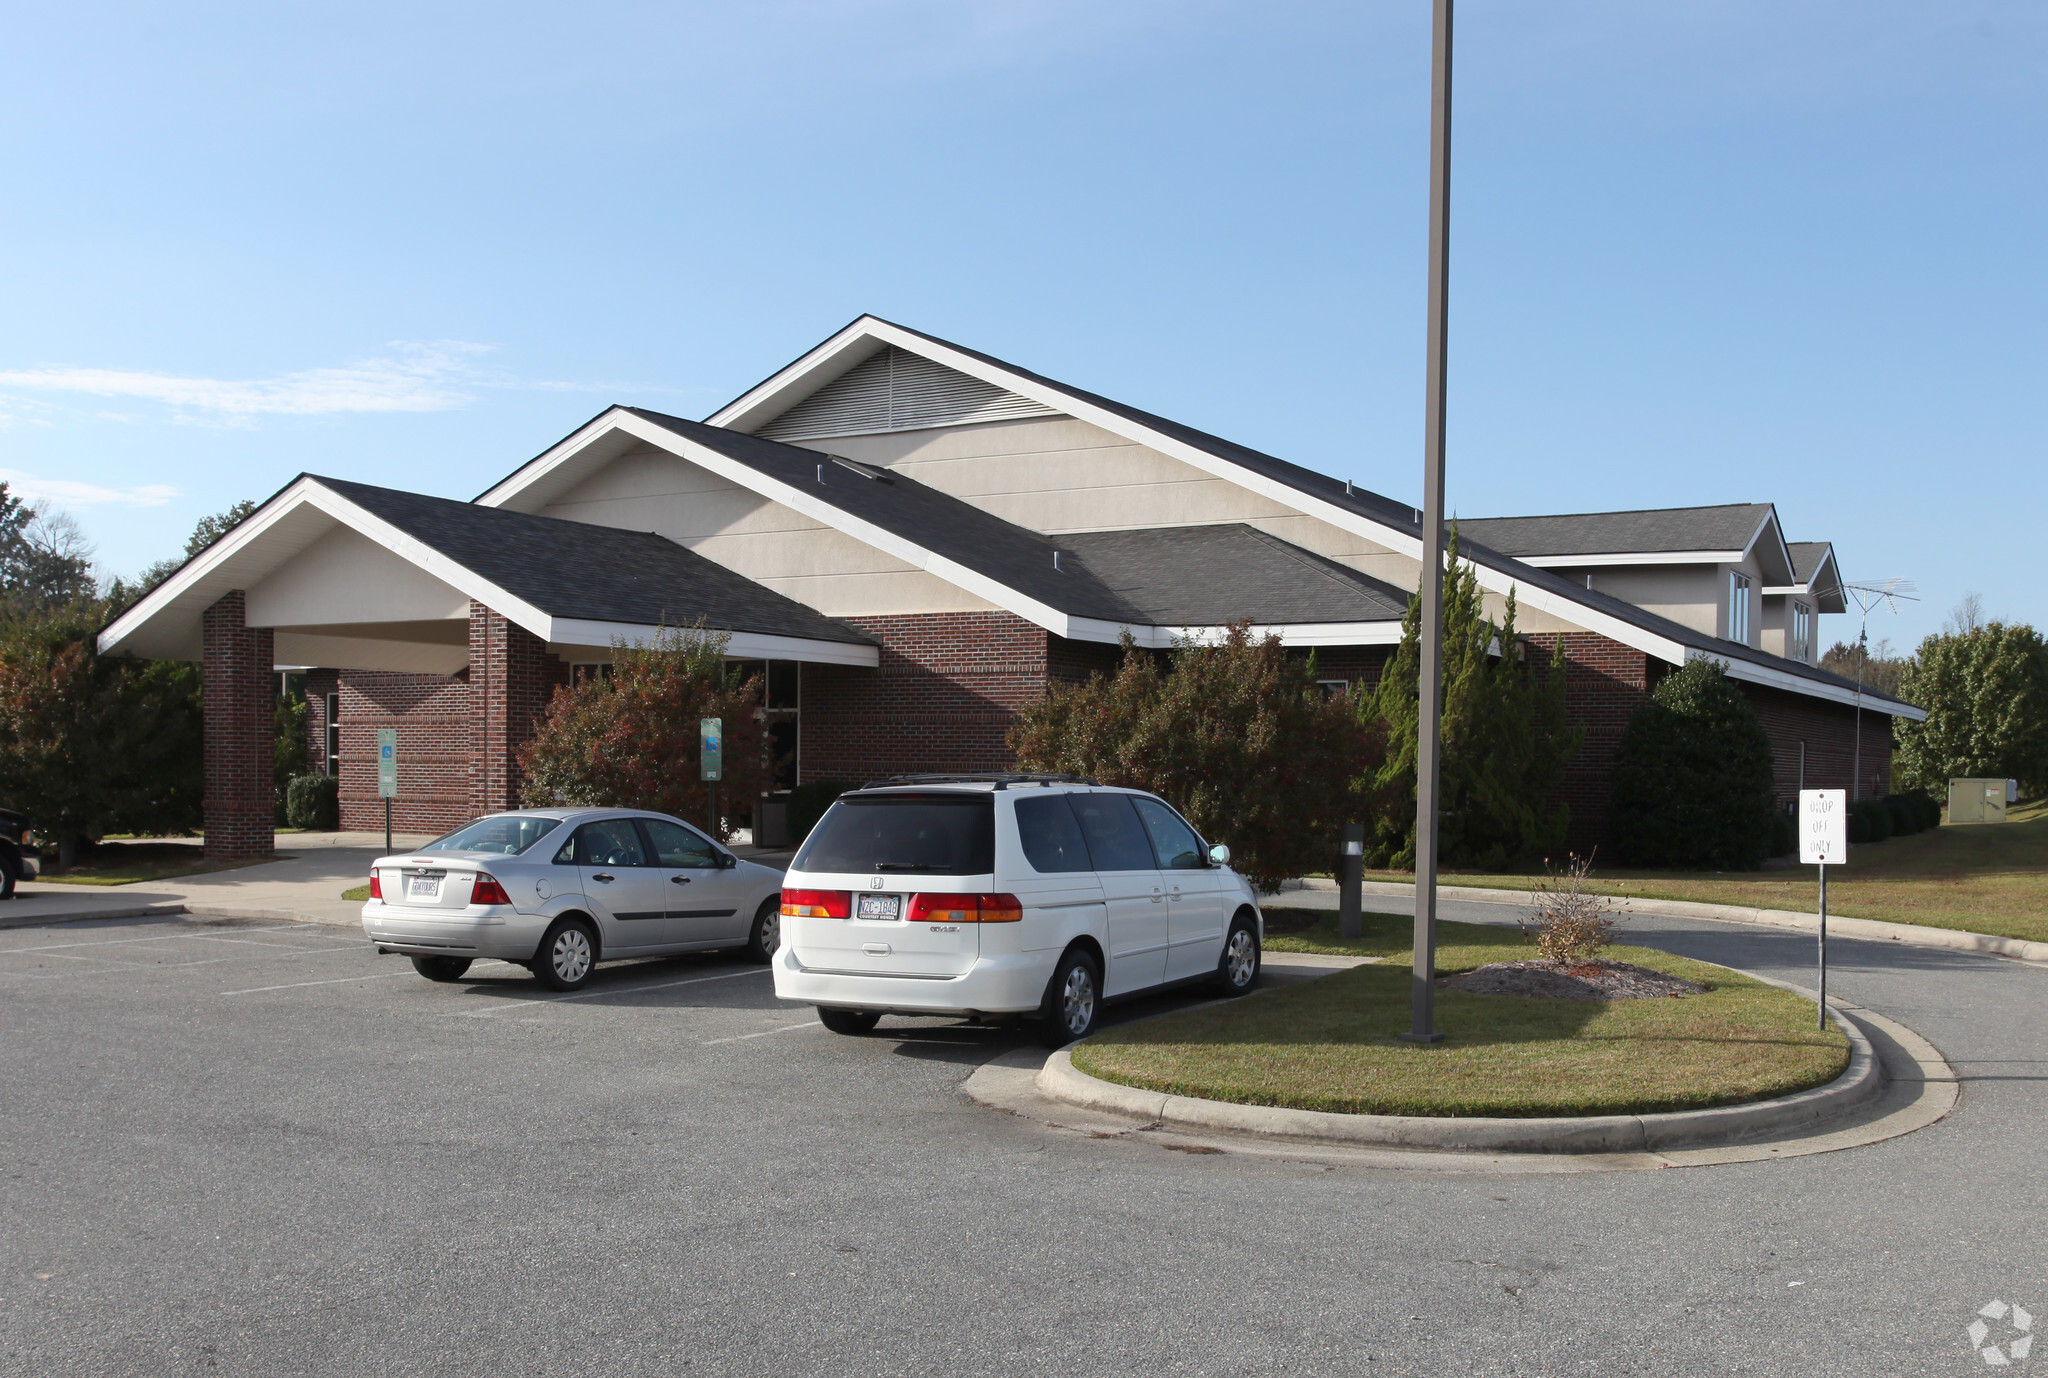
{"x": 1594, "y": 980}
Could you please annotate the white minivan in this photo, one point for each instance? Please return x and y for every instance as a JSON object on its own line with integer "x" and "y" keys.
{"x": 1002, "y": 895}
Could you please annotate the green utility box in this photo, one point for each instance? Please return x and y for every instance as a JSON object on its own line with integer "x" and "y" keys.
{"x": 1976, "y": 801}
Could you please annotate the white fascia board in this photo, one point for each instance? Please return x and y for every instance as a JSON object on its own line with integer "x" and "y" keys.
{"x": 802, "y": 377}
{"x": 1290, "y": 633}
{"x": 1794, "y": 590}
{"x": 545, "y": 463}
{"x": 739, "y": 645}
{"x": 1770, "y": 523}
{"x": 1634, "y": 557}
{"x": 1782, "y": 679}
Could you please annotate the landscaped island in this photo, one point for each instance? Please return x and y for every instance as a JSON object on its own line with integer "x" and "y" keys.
{"x": 1332, "y": 1044}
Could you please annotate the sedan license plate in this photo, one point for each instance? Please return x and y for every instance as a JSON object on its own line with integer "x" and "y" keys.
{"x": 880, "y": 906}
{"x": 423, "y": 888}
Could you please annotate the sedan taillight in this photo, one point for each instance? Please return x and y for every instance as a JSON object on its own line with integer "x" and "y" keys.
{"x": 488, "y": 891}
{"x": 376, "y": 888}
{"x": 816, "y": 904}
{"x": 965, "y": 909}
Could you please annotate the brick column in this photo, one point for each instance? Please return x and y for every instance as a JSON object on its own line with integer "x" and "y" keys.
{"x": 510, "y": 680}
{"x": 237, "y": 664}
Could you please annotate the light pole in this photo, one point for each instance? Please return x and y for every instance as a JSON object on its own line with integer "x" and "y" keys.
{"x": 1429, "y": 725}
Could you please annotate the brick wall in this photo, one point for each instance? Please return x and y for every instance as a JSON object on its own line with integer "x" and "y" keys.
{"x": 1829, "y": 733}
{"x": 238, "y": 703}
{"x": 1605, "y": 682}
{"x": 511, "y": 676}
{"x": 1358, "y": 666}
{"x": 943, "y": 697}
{"x": 436, "y": 750}
{"x": 319, "y": 684}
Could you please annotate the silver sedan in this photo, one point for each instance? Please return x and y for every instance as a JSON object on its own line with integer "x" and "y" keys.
{"x": 560, "y": 890}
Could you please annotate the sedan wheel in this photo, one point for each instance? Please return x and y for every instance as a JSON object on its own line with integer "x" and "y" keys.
{"x": 567, "y": 955}
{"x": 767, "y": 934}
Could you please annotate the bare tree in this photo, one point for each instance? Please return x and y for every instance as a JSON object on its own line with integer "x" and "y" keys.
{"x": 1967, "y": 616}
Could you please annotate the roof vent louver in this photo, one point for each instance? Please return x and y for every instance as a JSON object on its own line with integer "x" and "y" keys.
{"x": 895, "y": 390}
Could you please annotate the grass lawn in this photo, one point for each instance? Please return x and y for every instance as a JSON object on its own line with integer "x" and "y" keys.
{"x": 126, "y": 863}
{"x": 1984, "y": 878}
{"x": 1330, "y": 1044}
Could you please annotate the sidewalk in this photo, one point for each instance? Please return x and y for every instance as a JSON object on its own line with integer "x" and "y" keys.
{"x": 303, "y": 885}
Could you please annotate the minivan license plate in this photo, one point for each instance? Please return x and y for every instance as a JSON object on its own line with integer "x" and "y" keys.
{"x": 880, "y": 906}
{"x": 423, "y": 888}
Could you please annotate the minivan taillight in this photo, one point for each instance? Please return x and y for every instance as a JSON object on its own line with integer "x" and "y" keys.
{"x": 816, "y": 904}
{"x": 944, "y": 908}
{"x": 376, "y": 890}
{"x": 488, "y": 891}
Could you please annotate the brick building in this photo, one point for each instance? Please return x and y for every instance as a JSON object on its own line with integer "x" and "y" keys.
{"x": 914, "y": 539}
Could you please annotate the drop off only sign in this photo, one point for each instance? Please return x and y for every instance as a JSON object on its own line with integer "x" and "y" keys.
{"x": 1823, "y": 827}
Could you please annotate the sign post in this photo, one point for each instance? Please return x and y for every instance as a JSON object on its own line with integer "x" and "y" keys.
{"x": 711, "y": 762}
{"x": 1823, "y": 842}
{"x": 387, "y": 776}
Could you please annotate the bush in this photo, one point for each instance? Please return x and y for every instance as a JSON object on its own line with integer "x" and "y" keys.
{"x": 313, "y": 802}
{"x": 1784, "y": 834}
{"x": 1693, "y": 777}
{"x": 287, "y": 748}
{"x": 631, "y": 740}
{"x": 1506, "y": 738}
{"x": 807, "y": 804}
{"x": 1912, "y": 813}
{"x": 1235, "y": 735}
{"x": 1869, "y": 821}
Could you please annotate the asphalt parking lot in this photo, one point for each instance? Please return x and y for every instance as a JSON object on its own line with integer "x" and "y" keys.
{"x": 262, "y": 1149}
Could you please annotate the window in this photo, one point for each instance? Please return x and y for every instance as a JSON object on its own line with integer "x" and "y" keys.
{"x": 1116, "y": 839}
{"x": 1050, "y": 836}
{"x": 1738, "y": 607}
{"x": 505, "y": 835}
{"x": 1331, "y": 688}
{"x": 334, "y": 734}
{"x": 676, "y": 845}
{"x": 1802, "y": 632}
{"x": 611, "y": 842}
{"x": 928, "y": 834}
{"x": 584, "y": 671}
{"x": 1174, "y": 843}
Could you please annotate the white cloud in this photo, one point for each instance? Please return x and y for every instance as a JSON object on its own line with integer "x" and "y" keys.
{"x": 72, "y": 493}
{"x": 414, "y": 377}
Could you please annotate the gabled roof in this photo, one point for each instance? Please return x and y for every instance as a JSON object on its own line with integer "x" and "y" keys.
{"x": 1392, "y": 525}
{"x": 1654, "y": 536}
{"x": 1815, "y": 573}
{"x": 567, "y": 582}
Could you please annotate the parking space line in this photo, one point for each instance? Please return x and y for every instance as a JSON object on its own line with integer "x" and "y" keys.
{"x": 152, "y": 938}
{"x": 591, "y": 994}
{"x": 741, "y": 1038}
{"x": 333, "y": 981}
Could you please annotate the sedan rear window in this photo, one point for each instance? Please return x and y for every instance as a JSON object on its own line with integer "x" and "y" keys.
{"x": 911, "y": 834}
{"x": 505, "y": 835}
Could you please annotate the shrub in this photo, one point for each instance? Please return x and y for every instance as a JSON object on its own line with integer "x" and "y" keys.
{"x": 313, "y": 802}
{"x": 287, "y": 748}
{"x": 1911, "y": 813}
{"x": 1784, "y": 834}
{"x": 1235, "y": 735}
{"x": 1567, "y": 922}
{"x": 1986, "y": 696}
{"x": 631, "y": 740}
{"x": 1869, "y": 821}
{"x": 1506, "y": 738}
{"x": 1693, "y": 777}
{"x": 807, "y": 804}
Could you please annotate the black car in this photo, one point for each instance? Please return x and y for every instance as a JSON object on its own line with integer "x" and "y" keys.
{"x": 18, "y": 860}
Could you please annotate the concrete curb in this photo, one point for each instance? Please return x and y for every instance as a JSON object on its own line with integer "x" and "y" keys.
{"x": 133, "y": 911}
{"x": 1060, "y": 1080}
{"x": 1911, "y": 934}
{"x": 171, "y": 910}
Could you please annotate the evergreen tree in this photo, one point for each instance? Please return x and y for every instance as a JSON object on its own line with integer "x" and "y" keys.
{"x": 1986, "y": 695}
{"x": 1506, "y": 737}
{"x": 1693, "y": 777}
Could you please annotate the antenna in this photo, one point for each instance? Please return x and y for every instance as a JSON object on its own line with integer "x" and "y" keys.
{"x": 1887, "y": 594}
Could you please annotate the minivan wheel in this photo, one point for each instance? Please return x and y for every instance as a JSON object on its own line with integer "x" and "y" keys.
{"x": 853, "y": 1022}
{"x": 1071, "y": 998}
{"x": 767, "y": 932}
{"x": 441, "y": 968}
{"x": 567, "y": 956}
{"x": 1237, "y": 970}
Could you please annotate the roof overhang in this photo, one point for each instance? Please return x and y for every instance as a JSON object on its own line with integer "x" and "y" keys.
{"x": 1634, "y": 557}
{"x": 1775, "y": 678}
{"x": 166, "y": 622}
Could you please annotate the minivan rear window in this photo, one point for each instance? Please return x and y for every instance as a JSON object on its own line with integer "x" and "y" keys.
{"x": 907, "y": 834}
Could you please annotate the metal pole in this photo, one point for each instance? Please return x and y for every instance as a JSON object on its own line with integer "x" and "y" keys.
{"x": 1823, "y": 945}
{"x": 1856, "y": 766}
{"x": 387, "y": 825}
{"x": 1350, "y": 881}
{"x": 1429, "y": 727}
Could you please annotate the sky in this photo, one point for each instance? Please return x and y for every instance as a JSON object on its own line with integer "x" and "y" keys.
{"x": 1703, "y": 251}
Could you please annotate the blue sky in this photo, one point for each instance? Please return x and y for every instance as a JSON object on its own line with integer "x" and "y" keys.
{"x": 1703, "y": 251}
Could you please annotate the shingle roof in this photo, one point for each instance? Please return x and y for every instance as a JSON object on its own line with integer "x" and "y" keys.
{"x": 1621, "y": 533}
{"x": 1157, "y": 577}
{"x": 573, "y": 569}
{"x": 1806, "y": 558}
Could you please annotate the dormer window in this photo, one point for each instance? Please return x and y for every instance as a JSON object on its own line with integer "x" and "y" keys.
{"x": 1802, "y": 632}
{"x": 1738, "y": 607}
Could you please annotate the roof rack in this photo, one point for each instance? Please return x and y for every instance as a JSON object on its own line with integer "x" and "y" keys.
{"x": 1001, "y": 779}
